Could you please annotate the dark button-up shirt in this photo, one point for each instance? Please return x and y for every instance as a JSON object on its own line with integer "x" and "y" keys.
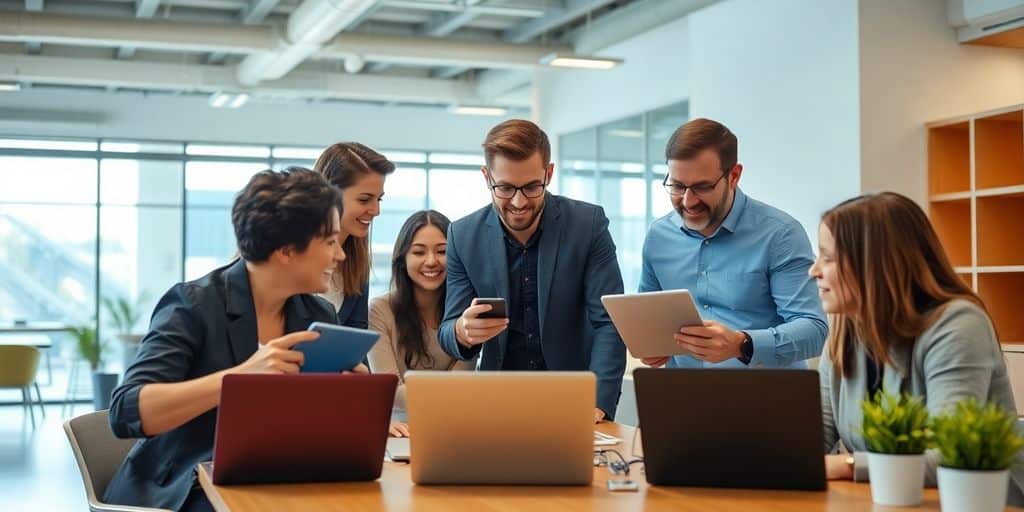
{"x": 524, "y": 350}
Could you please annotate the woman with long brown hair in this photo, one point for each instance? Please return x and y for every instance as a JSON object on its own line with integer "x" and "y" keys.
{"x": 408, "y": 317}
{"x": 901, "y": 321}
{"x": 359, "y": 173}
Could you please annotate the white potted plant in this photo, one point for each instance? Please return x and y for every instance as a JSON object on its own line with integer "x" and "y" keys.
{"x": 977, "y": 445}
{"x": 896, "y": 432}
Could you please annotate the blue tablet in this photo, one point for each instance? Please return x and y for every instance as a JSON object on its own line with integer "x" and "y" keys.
{"x": 337, "y": 349}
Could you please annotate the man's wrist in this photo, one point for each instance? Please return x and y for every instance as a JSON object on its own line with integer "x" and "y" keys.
{"x": 746, "y": 347}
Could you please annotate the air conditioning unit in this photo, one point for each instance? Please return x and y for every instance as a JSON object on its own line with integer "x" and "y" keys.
{"x": 988, "y": 22}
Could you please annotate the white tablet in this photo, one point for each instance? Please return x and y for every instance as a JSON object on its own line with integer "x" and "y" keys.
{"x": 647, "y": 321}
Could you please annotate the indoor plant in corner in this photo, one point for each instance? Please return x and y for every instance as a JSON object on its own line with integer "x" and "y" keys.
{"x": 977, "y": 446}
{"x": 91, "y": 349}
{"x": 124, "y": 314}
{"x": 896, "y": 432}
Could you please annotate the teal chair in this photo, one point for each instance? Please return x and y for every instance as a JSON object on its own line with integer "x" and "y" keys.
{"x": 18, "y": 367}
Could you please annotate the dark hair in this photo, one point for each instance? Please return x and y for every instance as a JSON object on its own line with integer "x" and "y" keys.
{"x": 342, "y": 164}
{"x": 893, "y": 267}
{"x": 408, "y": 321}
{"x": 282, "y": 208}
{"x": 516, "y": 139}
{"x": 695, "y": 136}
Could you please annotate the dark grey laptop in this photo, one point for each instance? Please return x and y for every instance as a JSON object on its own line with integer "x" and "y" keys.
{"x": 755, "y": 429}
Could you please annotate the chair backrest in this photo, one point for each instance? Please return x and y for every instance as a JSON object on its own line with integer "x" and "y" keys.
{"x": 99, "y": 454}
{"x": 18, "y": 365}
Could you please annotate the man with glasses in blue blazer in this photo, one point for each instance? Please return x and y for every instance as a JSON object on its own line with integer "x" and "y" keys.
{"x": 551, "y": 258}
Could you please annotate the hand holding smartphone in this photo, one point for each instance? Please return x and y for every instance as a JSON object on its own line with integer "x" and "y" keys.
{"x": 499, "y": 309}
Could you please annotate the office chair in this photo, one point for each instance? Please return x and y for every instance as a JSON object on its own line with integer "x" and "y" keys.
{"x": 18, "y": 366}
{"x": 99, "y": 454}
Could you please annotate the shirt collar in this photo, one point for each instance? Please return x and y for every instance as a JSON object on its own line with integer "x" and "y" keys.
{"x": 739, "y": 204}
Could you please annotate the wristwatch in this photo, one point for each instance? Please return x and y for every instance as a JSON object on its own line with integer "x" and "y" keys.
{"x": 747, "y": 348}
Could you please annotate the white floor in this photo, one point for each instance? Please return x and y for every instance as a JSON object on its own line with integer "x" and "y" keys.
{"x": 37, "y": 468}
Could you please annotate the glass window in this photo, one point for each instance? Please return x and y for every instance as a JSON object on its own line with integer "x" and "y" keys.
{"x": 60, "y": 145}
{"x": 412, "y": 157}
{"x": 30, "y": 179}
{"x": 457, "y": 193}
{"x": 129, "y": 182}
{"x": 210, "y": 189}
{"x": 405, "y": 190}
{"x": 578, "y": 163}
{"x": 216, "y": 183}
{"x": 224, "y": 150}
{"x": 473, "y": 159}
{"x": 297, "y": 153}
{"x": 116, "y": 146}
{"x": 622, "y": 146}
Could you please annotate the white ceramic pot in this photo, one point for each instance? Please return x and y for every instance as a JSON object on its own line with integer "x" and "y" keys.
{"x": 896, "y": 480}
{"x": 963, "y": 490}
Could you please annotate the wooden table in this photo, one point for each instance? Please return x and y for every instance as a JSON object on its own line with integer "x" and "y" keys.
{"x": 395, "y": 491}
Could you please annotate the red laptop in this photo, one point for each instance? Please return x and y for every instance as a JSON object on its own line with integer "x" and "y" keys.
{"x": 302, "y": 428}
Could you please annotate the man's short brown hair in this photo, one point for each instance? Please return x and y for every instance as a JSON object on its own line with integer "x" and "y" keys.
{"x": 690, "y": 139}
{"x": 516, "y": 139}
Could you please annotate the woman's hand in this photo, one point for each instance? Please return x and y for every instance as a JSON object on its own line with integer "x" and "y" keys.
{"x": 277, "y": 356}
{"x": 398, "y": 429}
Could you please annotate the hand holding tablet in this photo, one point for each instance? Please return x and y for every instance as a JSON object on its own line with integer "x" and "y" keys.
{"x": 649, "y": 321}
{"x": 337, "y": 349}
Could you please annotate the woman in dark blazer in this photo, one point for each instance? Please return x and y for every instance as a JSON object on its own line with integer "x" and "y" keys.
{"x": 359, "y": 174}
{"x": 236, "y": 319}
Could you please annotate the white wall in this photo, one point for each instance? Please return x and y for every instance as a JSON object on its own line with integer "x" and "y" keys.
{"x": 783, "y": 76}
{"x": 49, "y": 112}
{"x": 913, "y": 71}
{"x": 653, "y": 75}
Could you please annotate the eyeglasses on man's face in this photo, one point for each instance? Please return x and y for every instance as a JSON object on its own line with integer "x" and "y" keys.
{"x": 531, "y": 190}
{"x": 701, "y": 189}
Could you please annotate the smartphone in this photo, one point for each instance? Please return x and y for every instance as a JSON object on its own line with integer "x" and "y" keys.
{"x": 498, "y": 308}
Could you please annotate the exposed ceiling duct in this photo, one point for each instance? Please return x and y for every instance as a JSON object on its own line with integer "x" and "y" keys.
{"x": 311, "y": 25}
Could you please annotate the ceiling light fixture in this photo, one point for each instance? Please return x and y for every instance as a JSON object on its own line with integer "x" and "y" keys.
{"x": 10, "y": 86}
{"x": 578, "y": 61}
{"x": 228, "y": 99}
{"x": 478, "y": 110}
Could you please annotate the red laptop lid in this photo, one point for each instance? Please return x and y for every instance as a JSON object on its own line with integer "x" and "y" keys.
{"x": 302, "y": 428}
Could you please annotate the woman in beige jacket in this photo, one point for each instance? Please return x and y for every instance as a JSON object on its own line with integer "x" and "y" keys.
{"x": 407, "y": 318}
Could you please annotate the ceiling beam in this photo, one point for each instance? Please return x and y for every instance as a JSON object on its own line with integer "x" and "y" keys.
{"x": 442, "y": 24}
{"x": 554, "y": 18}
{"x": 143, "y": 9}
{"x": 252, "y": 14}
{"x": 497, "y": 10}
{"x": 428, "y": 51}
{"x": 200, "y": 78}
{"x": 34, "y": 47}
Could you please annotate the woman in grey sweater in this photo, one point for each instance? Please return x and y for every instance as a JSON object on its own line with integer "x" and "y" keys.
{"x": 901, "y": 320}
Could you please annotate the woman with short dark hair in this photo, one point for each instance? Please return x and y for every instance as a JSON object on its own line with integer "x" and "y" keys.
{"x": 241, "y": 318}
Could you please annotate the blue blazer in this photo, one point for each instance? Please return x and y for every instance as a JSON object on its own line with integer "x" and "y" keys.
{"x": 198, "y": 328}
{"x": 576, "y": 266}
{"x": 355, "y": 311}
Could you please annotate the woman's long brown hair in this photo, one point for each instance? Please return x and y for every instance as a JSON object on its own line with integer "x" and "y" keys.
{"x": 895, "y": 272}
{"x": 342, "y": 164}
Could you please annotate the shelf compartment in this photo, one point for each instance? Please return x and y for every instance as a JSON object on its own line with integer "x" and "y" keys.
{"x": 949, "y": 158}
{"x": 1001, "y": 293}
{"x": 1000, "y": 240}
{"x": 999, "y": 150}
{"x": 952, "y": 222}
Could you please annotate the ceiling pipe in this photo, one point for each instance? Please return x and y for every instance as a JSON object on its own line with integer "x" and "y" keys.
{"x": 310, "y": 26}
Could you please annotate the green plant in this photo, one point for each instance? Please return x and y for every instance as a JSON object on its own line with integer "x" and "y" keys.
{"x": 89, "y": 345}
{"x": 977, "y": 436}
{"x": 124, "y": 314}
{"x": 895, "y": 425}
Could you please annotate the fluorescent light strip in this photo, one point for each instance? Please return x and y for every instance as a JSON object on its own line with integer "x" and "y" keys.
{"x": 10, "y": 86}
{"x": 579, "y": 61}
{"x": 240, "y": 99}
{"x": 470, "y": 110}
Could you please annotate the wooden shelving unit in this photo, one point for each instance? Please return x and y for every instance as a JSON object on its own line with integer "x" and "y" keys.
{"x": 976, "y": 203}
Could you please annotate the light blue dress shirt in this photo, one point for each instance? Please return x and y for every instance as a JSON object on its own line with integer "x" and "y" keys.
{"x": 750, "y": 275}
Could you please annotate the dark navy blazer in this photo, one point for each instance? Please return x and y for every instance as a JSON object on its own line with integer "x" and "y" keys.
{"x": 576, "y": 266}
{"x": 355, "y": 311}
{"x": 198, "y": 328}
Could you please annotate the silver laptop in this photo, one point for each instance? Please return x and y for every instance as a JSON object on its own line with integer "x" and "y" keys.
{"x": 533, "y": 428}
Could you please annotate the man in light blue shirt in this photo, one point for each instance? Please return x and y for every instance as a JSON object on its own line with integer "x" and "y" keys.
{"x": 744, "y": 262}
